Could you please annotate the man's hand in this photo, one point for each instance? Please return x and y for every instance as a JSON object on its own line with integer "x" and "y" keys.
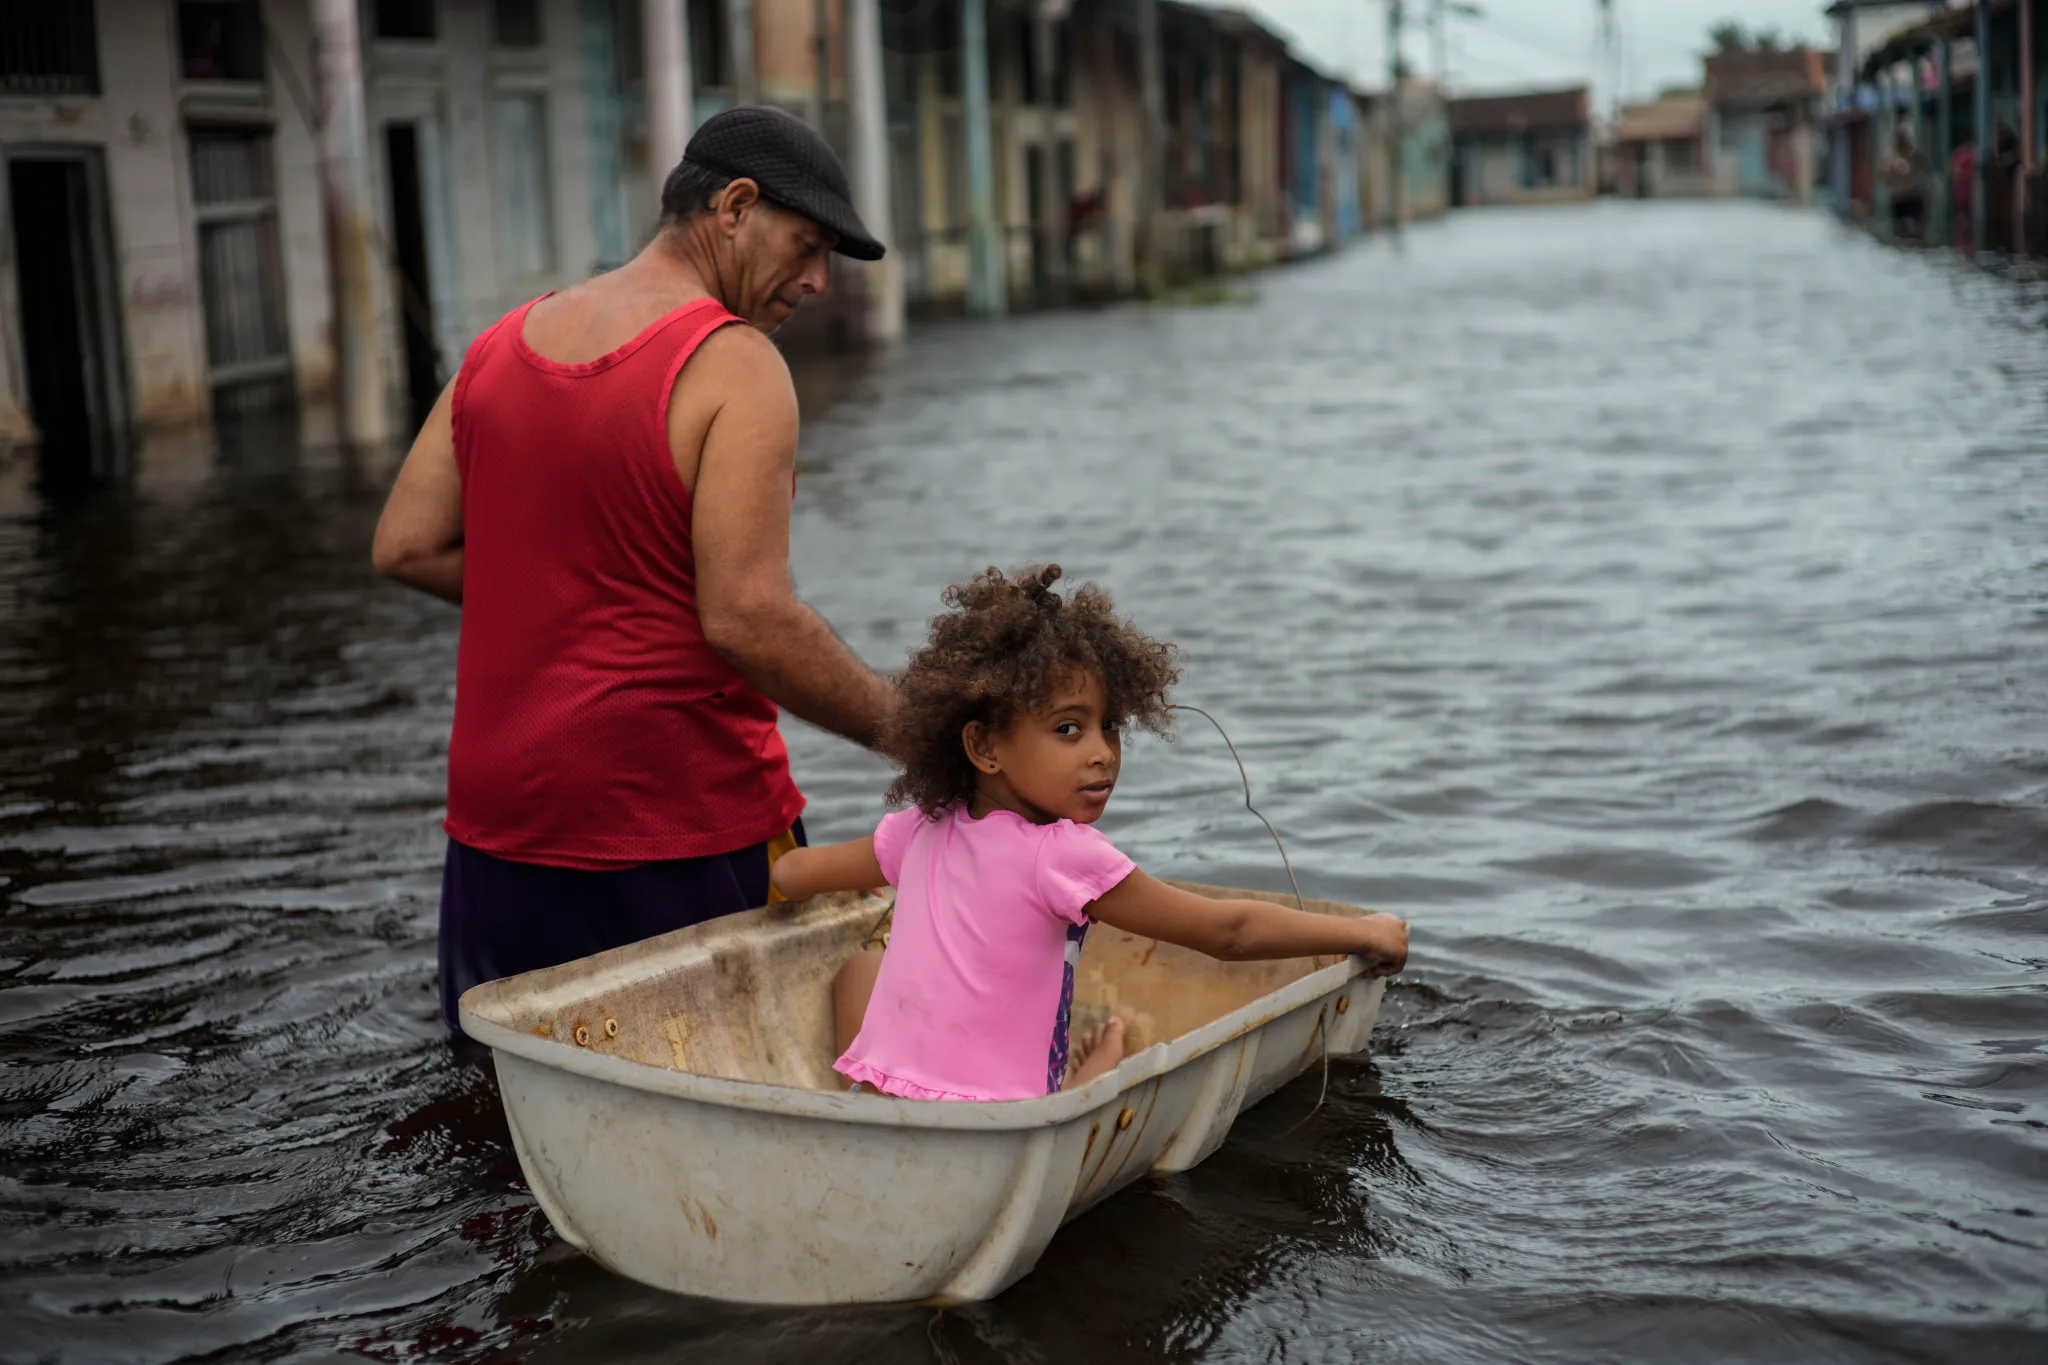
{"x": 741, "y": 478}
{"x": 419, "y": 537}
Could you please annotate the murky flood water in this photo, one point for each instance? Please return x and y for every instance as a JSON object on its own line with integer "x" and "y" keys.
{"x": 1651, "y": 603}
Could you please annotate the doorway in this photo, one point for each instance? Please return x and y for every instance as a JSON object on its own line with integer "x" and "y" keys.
{"x": 64, "y": 280}
{"x": 409, "y": 266}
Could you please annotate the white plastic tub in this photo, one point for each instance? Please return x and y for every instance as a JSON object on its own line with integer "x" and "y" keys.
{"x": 675, "y": 1111}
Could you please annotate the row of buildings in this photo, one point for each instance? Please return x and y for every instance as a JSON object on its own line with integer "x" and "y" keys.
{"x": 1928, "y": 121}
{"x": 1754, "y": 127}
{"x": 1939, "y": 120}
{"x": 214, "y": 206}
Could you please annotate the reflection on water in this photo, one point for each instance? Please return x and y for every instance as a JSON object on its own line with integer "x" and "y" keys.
{"x": 1650, "y": 602}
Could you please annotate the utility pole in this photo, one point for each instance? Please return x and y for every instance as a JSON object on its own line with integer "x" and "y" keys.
{"x": 1440, "y": 41}
{"x": 1610, "y": 54}
{"x": 1394, "y": 73}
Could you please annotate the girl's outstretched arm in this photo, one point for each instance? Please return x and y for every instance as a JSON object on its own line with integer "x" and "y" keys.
{"x": 1244, "y": 931}
{"x": 834, "y": 867}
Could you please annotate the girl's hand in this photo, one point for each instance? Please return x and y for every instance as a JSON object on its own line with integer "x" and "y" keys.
{"x": 805, "y": 872}
{"x": 1247, "y": 931}
{"x": 1385, "y": 949}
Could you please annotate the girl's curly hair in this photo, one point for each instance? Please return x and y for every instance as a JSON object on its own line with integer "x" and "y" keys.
{"x": 1006, "y": 645}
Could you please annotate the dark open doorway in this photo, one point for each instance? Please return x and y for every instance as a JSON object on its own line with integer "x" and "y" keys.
{"x": 409, "y": 247}
{"x": 64, "y": 281}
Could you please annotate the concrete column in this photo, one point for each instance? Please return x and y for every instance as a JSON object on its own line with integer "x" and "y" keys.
{"x": 1984, "y": 136}
{"x": 1118, "y": 271}
{"x": 1711, "y": 161}
{"x": 868, "y": 125}
{"x": 15, "y": 428}
{"x": 1152, "y": 174}
{"x": 1394, "y": 134}
{"x": 361, "y": 407}
{"x": 1052, "y": 214}
{"x": 739, "y": 28}
{"x": 2030, "y": 152}
{"x": 1943, "y": 211}
{"x": 1841, "y": 177}
{"x": 988, "y": 290}
{"x": 1919, "y": 103}
{"x": 665, "y": 42}
{"x": 1802, "y": 158}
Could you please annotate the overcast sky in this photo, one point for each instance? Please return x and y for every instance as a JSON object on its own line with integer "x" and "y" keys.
{"x": 1537, "y": 42}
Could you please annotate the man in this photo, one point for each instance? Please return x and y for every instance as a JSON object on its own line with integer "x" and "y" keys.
{"x": 605, "y": 489}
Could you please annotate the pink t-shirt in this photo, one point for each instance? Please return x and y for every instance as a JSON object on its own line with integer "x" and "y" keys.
{"x": 973, "y": 995}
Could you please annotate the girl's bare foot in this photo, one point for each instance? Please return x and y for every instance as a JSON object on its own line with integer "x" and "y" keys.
{"x": 1097, "y": 1053}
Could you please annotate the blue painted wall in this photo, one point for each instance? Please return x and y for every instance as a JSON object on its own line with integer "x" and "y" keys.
{"x": 1344, "y": 171}
{"x": 1304, "y": 113}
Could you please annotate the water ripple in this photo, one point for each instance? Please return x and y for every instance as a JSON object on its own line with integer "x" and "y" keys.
{"x": 1647, "y": 601}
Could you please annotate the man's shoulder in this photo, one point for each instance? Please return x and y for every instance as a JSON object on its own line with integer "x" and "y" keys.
{"x": 740, "y": 355}
{"x": 734, "y": 367}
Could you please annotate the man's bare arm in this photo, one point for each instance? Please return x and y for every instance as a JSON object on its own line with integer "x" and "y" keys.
{"x": 740, "y": 535}
{"x": 419, "y": 537}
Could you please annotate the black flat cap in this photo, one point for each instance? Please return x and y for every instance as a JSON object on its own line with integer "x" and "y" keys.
{"x": 794, "y": 167}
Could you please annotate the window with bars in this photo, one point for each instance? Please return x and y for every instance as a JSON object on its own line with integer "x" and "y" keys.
{"x": 48, "y": 47}
{"x": 241, "y": 272}
{"x": 220, "y": 40}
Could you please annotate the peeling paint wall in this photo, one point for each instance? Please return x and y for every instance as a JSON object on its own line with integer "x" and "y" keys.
{"x": 136, "y": 124}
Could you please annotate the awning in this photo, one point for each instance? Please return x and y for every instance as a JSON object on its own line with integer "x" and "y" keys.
{"x": 1946, "y": 26}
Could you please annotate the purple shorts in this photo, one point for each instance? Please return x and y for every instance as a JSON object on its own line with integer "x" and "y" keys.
{"x": 500, "y": 918}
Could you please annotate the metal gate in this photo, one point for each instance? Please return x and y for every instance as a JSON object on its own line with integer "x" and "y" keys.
{"x": 241, "y": 276}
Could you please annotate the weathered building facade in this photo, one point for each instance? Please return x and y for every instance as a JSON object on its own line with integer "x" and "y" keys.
{"x": 1661, "y": 149}
{"x": 218, "y": 206}
{"x": 1525, "y": 148}
{"x": 1763, "y": 111}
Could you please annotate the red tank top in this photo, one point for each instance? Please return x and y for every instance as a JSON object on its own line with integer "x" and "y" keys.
{"x": 594, "y": 725}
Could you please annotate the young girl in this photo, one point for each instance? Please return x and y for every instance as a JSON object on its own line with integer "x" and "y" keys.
{"x": 1009, "y": 733}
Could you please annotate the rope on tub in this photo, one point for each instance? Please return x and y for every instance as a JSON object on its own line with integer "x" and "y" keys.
{"x": 1322, "y": 1032}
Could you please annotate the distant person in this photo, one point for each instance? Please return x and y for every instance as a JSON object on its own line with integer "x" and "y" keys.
{"x": 605, "y": 490}
{"x": 1010, "y": 740}
{"x": 1905, "y": 175}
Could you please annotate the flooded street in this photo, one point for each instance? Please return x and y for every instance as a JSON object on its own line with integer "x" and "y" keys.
{"x": 1649, "y": 602}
